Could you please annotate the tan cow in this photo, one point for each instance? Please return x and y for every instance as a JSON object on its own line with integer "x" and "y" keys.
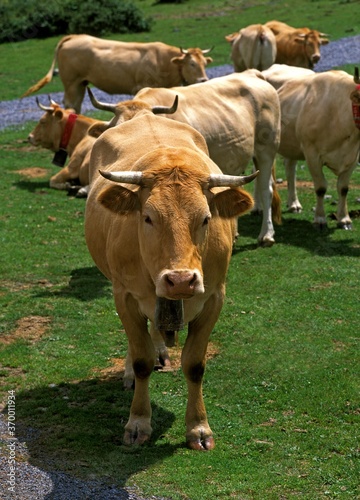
{"x": 121, "y": 67}
{"x": 297, "y": 46}
{"x": 163, "y": 232}
{"x": 239, "y": 117}
{"x": 252, "y": 47}
{"x": 318, "y": 126}
{"x": 62, "y": 129}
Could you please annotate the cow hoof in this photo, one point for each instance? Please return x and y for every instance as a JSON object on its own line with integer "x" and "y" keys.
{"x": 295, "y": 210}
{"x": 320, "y": 226}
{"x": 135, "y": 438}
{"x": 345, "y": 225}
{"x": 202, "y": 445}
{"x": 128, "y": 383}
{"x": 266, "y": 243}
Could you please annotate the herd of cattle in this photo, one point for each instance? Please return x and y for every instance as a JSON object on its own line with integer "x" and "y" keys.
{"x": 163, "y": 176}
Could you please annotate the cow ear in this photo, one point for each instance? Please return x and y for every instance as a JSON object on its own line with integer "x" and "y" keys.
{"x": 119, "y": 200}
{"x": 97, "y": 129}
{"x": 58, "y": 114}
{"x": 178, "y": 60}
{"x": 233, "y": 202}
{"x": 209, "y": 60}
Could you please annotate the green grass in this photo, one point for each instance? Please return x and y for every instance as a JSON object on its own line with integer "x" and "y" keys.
{"x": 282, "y": 389}
{"x": 281, "y": 392}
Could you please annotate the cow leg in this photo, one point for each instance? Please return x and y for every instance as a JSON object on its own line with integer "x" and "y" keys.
{"x": 265, "y": 193}
{"x": 138, "y": 428}
{"x": 59, "y": 180}
{"x": 320, "y": 185}
{"x": 293, "y": 202}
{"x": 74, "y": 96}
{"x": 342, "y": 214}
{"x": 198, "y": 433}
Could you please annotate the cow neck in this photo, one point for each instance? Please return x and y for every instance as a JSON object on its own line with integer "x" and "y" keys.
{"x": 356, "y": 111}
{"x": 69, "y": 125}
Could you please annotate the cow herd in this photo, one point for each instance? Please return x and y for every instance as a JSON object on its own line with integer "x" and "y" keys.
{"x": 163, "y": 176}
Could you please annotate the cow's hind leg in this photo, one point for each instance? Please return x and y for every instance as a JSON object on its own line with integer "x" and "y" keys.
{"x": 342, "y": 214}
{"x": 293, "y": 202}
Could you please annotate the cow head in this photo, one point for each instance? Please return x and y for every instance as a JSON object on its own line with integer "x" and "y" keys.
{"x": 124, "y": 111}
{"x": 176, "y": 206}
{"x": 311, "y": 41}
{"x": 192, "y": 64}
{"x": 49, "y": 130}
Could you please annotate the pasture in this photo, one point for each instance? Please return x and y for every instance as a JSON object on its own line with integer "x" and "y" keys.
{"x": 281, "y": 385}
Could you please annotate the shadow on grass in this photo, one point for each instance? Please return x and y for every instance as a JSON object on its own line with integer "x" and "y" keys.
{"x": 86, "y": 283}
{"x": 298, "y": 232}
{"x": 77, "y": 428}
{"x": 38, "y": 187}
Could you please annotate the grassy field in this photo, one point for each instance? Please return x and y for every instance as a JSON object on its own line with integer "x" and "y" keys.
{"x": 282, "y": 379}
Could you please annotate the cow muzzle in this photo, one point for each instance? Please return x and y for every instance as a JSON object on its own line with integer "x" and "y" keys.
{"x": 179, "y": 284}
{"x": 315, "y": 58}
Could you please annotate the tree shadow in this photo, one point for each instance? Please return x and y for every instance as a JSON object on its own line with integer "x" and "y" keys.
{"x": 73, "y": 432}
{"x": 298, "y": 232}
{"x": 85, "y": 284}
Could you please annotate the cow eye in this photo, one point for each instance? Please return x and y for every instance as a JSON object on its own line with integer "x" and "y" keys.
{"x": 206, "y": 220}
{"x": 148, "y": 220}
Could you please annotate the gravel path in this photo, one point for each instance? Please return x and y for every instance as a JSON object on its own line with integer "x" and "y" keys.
{"x": 16, "y": 112}
{"x": 33, "y": 483}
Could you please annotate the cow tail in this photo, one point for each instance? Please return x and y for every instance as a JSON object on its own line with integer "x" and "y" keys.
{"x": 48, "y": 77}
{"x": 276, "y": 200}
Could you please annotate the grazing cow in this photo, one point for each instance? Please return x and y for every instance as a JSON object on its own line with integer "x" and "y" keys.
{"x": 319, "y": 125}
{"x": 297, "y": 46}
{"x": 63, "y": 130}
{"x": 239, "y": 117}
{"x": 121, "y": 67}
{"x": 252, "y": 47}
{"x": 163, "y": 234}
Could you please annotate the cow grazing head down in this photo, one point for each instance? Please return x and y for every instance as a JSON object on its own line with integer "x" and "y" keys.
{"x": 169, "y": 222}
{"x": 192, "y": 64}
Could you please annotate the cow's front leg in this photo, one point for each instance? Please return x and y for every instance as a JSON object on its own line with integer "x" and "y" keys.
{"x": 138, "y": 428}
{"x": 199, "y": 436}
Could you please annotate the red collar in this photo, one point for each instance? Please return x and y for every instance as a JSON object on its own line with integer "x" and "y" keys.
{"x": 356, "y": 111}
{"x": 67, "y": 130}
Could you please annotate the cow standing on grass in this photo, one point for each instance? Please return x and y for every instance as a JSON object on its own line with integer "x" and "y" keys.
{"x": 320, "y": 124}
{"x": 121, "y": 67}
{"x": 160, "y": 224}
{"x": 297, "y": 46}
{"x": 252, "y": 47}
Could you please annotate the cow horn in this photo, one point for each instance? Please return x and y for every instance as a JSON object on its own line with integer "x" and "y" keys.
{"x": 123, "y": 177}
{"x": 44, "y": 108}
{"x": 52, "y": 102}
{"x": 183, "y": 51}
{"x": 356, "y": 75}
{"x": 166, "y": 109}
{"x": 206, "y": 51}
{"x": 100, "y": 105}
{"x": 219, "y": 180}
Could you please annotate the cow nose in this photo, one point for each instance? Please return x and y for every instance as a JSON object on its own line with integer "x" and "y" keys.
{"x": 316, "y": 58}
{"x": 182, "y": 284}
{"x": 204, "y": 79}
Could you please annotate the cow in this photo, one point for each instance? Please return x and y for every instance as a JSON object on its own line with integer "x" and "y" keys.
{"x": 63, "y": 130}
{"x": 239, "y": 117}
{"x": 297, "y": 46}
{"x": 252, "y": 47}
{"x": 121, "y": 67}
{"x": 160, "y": 225}
{"x": 277, "y": 75}
{"x": 319, "y": 125}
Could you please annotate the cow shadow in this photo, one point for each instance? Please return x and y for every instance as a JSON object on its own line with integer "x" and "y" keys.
{"x": 85, "y": 284}
{"x": 73, "y": 433}
{"x": 299, "y": 232}
{"x": 39, "y": 187}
